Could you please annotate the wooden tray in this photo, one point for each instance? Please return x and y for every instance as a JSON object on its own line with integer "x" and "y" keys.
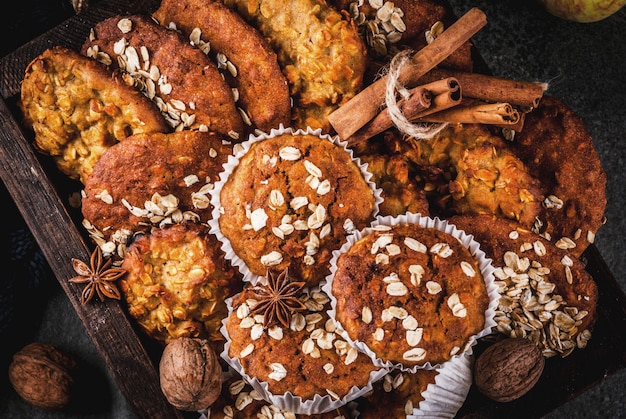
{"x": 40, "y": 195}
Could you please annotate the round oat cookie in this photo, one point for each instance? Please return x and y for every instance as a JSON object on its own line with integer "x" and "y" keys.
{"x": 151, "y": 180}
{"x": 248, "y": 60}
{"x": 176, "y": 282}
{"x": 556, "y": 146}
{"x": 78, "y": 109}
{"x": 319, "y": 50}
{"x": 186, "y": 85}
{"x": 547, "y": 296}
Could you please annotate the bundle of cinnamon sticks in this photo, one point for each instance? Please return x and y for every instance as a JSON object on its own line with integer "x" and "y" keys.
{"x": 438, "y": 95}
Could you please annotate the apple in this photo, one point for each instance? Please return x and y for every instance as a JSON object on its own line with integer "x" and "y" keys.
{"x": 583, "y": 11}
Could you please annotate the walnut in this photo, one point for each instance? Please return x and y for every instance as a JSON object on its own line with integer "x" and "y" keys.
{"x": 190, "y": 374}
{"x": 43, "y": 376}
{"x": 508, "y": 369}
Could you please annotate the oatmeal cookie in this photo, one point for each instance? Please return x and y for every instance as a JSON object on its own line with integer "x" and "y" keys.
{"x": 547, "y": 296}
{"x": 319, "y": 50}
{"x": 152, "y": 180}
{"x": 78, "y": 109}
{"x": 556, "y": 146}
{"x": 179, "y": 77}
{"x": 176, "y": 283}
{"x": 249, "y": 60}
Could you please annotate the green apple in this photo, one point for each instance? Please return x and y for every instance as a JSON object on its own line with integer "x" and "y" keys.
{"x": 582, "y": 10}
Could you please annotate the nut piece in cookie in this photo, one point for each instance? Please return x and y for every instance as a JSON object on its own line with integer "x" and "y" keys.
{"x": 246, "y": 57}
{"x": 319, "y": 50}
{"x": 152, "y": 180}
{"x": 186, "y": 85}
{"x": 176, "y": 283}
{"x": 546, "y": 295}
{"x": 78, "y": 109}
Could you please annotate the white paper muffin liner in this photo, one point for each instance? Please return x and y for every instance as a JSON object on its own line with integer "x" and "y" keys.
{"x": 444, "y": 397}
{"x": 233, "y": 162}
{"x": 466, "y": 240}
{"x": 321, "y": 403}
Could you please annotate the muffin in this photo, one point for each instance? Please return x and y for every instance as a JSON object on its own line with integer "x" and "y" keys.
{"x": 412, "y": 292}
{"x": 289, "y": 200}
{"x": 294, "y": 358}
{"x": 176, "y": 283}
{"x": 547, "y": 296}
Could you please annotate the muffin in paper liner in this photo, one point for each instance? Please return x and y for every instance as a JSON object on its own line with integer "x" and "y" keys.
{"x": 483, "y": 263}
{"x": 355, "y": 205}
{"x": 319, "y": 403}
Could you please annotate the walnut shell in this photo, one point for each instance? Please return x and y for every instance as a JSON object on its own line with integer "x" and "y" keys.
{"x": 42, "y": 375}
{"x": 508, "y": 369}
{"x": 190, "y": 374}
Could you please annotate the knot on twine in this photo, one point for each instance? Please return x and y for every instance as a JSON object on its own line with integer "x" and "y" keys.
{"x": 394, "y": 88}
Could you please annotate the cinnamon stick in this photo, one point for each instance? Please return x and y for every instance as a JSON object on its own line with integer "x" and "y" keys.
{"x": 423, "y": 100}
{"x": 354, "y": 114}
{"x": 486, "y": 113}
{"x": 493, "y": 89}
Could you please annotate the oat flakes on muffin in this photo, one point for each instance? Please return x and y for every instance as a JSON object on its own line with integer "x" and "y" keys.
{"x": 250, "y": 63}
{"x": 289, "y": 201}
{"x": 152, "y": 180}
{"x": 547, "y": 296}
{"x": 176, "y": 282}
{"x": 319, "y": 50}
{"x": 301, "y": 355}
{"x": 410, "y": 295}
{"x": 186, "y": 85}
{"x": 78, "y": 109}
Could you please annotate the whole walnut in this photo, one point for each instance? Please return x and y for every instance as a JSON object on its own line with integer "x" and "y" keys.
{"x": 190, "y": 374}
{"x": 508, "y": 369}
{"x": 42, "y": 375}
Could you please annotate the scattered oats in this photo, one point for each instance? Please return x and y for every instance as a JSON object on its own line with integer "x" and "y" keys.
{"x": 416, "y": 271}
{"x": 278, "y": 371}
{"x": 414, "y": 244}
{"x": 366, "y": 315}
{"x": 246, "y": 351}
{"x": 382, "y": 259}
{"x": 409, "y": 322}
{"x": 351, "y": 356}
{"x": 272, "y": 259}
{"x": 397, "y": 289}
{"x": 441, "y": 249}
{"x": 379, "y": 334}
{"x": 591, "y": 236}
{"x": 243, "y": 400}
{"x": 348, "y": 225}
{"x": 329, "y": 368}
{"x": 258, "y": 219}
{"x": 105, "y": 196}
{"x": 433, "y": 287}
{"x": 513, "y": 235}
{"x": 565, "y": 243}
{"x": 298, "y": 202}
{"x": 414, "y": 355}
{"x": 275, "y": 332}
{"x": 393, "y": 249}
{"x": 414, "y": 337}
{"x": 290, "y": 153}
{"x": 468, "y": 269}
{"x": 125, "y": 25}
{"x": 540, "y": 249}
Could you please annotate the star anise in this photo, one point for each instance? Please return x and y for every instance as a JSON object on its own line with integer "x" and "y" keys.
{"x": 278, "y": 300}
{"x": 99, "y": 277}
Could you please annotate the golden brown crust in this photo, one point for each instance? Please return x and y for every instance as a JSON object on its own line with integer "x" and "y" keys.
{"x": 78, "y": 109}
{"x": 305, "y": 350}
{"x": 176, "y": 283}
{"x": 197, "y": 88}
{"x": 557, "y": 148}
{"x": 263, "y": 89}
{"x": 417, "y": 283}
{"x": 571, "y": 297}
{"x": 180, "y": 165}
{"x": 468, "y": 170}
{"x": 310, "y": 211}
{"x": 319, "y": 50}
